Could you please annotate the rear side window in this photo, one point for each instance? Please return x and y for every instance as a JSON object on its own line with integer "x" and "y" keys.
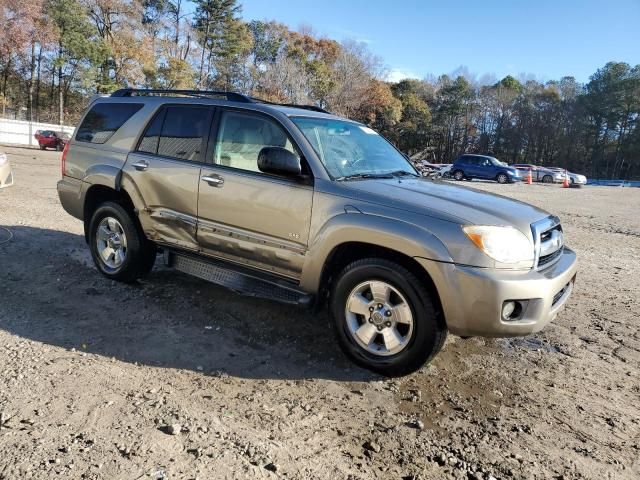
{"x": 104, "y": 119}
{"x": 149, "y": 142}
{"x": 177, "y": 132}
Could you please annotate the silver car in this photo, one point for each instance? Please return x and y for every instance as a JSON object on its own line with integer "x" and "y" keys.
{"x": 295, "y": 204}
{"x": 575, "y": 179}
{"x": 540, "y": 174}
{"x": 6, "y": 175}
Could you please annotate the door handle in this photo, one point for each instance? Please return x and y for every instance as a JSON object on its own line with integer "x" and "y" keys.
{"x": 213, "y": 180}
{"x": 140, "y": 165}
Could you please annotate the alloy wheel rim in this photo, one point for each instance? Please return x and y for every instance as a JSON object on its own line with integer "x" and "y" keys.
{"x": 111, "y": 242}
{"x": 379, "y": 318}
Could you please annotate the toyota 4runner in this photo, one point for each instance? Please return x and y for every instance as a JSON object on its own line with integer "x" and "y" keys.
{"x": 294, "y": 204}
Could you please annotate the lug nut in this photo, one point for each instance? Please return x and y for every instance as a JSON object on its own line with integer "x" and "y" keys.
{"x": 388, "y": 324}
{"x": 379, "y": 327}
{"x": 371, "y": 309}
{"x": 388, "y": 313}
{"x": 379, "y": 305}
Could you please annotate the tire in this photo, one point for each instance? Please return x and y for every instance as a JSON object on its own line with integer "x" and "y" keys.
{"x": 422, "y": 338}
{"x": 119, "y": 229}
{"x": 547, "y": 179}
{"x": 42, "y": 147}
{"x": 502, "y": 178}
{"x": 458, "y": 175}
{"x": 59, "y": 148}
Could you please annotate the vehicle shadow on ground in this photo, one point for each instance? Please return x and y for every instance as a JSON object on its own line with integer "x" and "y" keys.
{"x": 50, "y": 292}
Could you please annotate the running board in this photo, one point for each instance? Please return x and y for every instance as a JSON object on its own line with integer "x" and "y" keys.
{"x": 239, "y": 280}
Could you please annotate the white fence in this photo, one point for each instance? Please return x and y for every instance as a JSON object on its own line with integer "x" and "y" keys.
{"x": 21, "y": 132}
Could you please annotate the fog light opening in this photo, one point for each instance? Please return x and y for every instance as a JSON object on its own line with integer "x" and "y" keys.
{"x": 511, "y": 310}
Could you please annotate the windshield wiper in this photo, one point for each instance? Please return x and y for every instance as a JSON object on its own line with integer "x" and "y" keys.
{"x": 403, "y": 173}
{"x": 359, "y": 176}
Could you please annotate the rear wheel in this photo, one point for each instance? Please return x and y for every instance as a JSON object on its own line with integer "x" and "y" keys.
{"x": 458, "y": 175}
{"x": 384, "y": 317}
{"x": 42, "y": 147}
{"x": 119, "y": 249}
{"x": 502, "y": 178}
{"x": 547, "y": 179}
{"x": 59, "y": 147}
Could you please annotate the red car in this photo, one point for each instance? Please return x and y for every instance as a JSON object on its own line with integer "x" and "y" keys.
{"x": 50, "y": 139}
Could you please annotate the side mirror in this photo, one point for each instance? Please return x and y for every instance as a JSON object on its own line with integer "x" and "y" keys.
{"x": 279, "y": 161}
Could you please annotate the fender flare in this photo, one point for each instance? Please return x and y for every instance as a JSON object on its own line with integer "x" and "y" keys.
{"x": 403, "y": 237}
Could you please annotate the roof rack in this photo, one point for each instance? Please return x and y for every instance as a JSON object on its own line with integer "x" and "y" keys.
{"x": 292, "y": 105}
{"x": 230, "y": 96}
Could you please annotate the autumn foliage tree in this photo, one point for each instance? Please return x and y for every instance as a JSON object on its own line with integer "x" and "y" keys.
{"x": 55, "y": 54}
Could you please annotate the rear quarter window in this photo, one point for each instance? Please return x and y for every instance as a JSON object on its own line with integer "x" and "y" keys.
{"x": 103, "y": 120}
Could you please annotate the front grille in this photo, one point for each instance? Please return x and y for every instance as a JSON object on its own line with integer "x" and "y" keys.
{"x": 546, "y": 259}
{"x": 549, "y": 242}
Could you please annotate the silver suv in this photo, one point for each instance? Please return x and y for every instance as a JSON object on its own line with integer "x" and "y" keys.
{"x": 294, "y": 204}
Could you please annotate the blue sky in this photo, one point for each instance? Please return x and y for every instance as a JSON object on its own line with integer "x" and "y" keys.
{"x": 541, "y": 38}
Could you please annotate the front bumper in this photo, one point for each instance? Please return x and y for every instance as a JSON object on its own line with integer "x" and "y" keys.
{"x": 472, "y": 298}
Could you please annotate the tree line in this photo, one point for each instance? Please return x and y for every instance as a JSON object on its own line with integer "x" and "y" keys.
{"x": 55, "y": 54}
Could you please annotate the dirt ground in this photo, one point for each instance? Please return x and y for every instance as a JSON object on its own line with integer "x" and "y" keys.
{"x": 175, "y": 378}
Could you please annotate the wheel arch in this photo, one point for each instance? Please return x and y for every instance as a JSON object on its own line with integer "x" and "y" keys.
{"x": 349, "y": 252}
{"x": 99, "y": 193}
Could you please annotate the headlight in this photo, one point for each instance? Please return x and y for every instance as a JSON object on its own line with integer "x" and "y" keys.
{"x": 503, "y": 244}
{"x": 3, "y": 158}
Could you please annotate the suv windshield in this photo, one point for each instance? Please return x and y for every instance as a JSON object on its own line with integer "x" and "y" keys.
{"x": 351, "y": 150}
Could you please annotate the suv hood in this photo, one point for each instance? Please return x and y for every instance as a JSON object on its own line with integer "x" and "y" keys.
{"x": 453, "y": 203}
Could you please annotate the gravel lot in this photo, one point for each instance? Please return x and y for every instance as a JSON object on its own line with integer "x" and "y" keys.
{"x": 174, "y": 378}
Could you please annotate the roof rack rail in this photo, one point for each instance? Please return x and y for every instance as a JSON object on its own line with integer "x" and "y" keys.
{"x": 231, "y": 96}
{"x": 313, "y": 108}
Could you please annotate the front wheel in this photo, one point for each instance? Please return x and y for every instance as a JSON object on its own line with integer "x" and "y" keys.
{"x": 458, "y": 175}
{"x": 385, "y": 319}
{"x": 502, "y": 178}
{"x": 119, "y": 249}
{"x": 547, "y": 179}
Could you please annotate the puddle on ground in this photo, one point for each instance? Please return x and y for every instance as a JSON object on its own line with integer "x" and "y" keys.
{"x": 527, "y": 343}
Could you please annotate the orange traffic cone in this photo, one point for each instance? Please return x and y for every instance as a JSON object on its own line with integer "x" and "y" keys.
{"x": 565, "y": 182}
{"x": 529, "y": 178}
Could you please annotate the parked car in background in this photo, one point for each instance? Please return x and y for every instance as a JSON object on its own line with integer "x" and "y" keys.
{"x": 575, "y": 179}
{"x": 470, "y": 166}
{"x": 50, "y": 139}
{"x": 540, "y": 174}
{"x": 425, "y": 168}
{"x": 6, "y": 176}
{"x": 434, "y": 170}
{"x": 445, "y": 170}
